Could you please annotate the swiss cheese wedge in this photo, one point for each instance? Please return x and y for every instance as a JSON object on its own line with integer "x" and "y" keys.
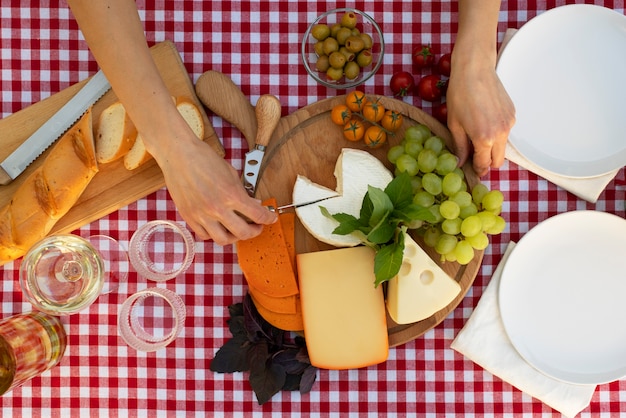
{"x": 345, "y": 323}
{"x": 421, "y": 288}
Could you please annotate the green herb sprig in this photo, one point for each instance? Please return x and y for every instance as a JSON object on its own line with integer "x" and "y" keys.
{"x": 383, "y": 220}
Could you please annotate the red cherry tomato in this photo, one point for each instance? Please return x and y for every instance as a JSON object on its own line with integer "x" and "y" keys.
{"x": 401, "y": 83}
{"x": 440, "y": 112}
{"x": 423, "y": 57}
{"x": 431, "y": 88}
{"x": 444, "y": 64}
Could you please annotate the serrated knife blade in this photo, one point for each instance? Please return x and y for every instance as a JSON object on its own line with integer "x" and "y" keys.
{"x": 53, "y": 128}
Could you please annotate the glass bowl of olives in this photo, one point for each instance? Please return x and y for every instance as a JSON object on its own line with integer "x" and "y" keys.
{"x": 343, "y": 48}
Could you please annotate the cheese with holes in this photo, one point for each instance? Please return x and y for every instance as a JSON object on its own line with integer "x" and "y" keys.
{"x": 345, "y": 323}
{"x": 421, "y": 288}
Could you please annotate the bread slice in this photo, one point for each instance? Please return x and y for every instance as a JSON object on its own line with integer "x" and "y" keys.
{"x": 50, "y": 191}
{"x": 138, "y": 155}
{"x": 115, "y": 135}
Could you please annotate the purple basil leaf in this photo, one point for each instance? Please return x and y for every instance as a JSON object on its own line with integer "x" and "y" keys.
{"x": 232, "y": 357}
{"x": 308, "y": 378}
{"x": 267, "y": 381}
{"x": 236, "y": 326}
{"x": 292, "y": 382}
{"x": 288, "y": 359}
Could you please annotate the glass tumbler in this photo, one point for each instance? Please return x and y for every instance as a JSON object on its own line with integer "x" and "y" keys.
{"x": 30, "y": 344}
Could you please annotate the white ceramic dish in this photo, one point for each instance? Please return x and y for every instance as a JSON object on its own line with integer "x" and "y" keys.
{"x": 562, "y": 297}
{"x": 564, "y": 71}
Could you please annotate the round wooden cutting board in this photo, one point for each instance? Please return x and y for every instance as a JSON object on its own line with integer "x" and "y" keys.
{"x": 308, "y": 143}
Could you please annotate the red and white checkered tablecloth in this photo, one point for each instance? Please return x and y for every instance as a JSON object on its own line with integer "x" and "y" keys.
{"x": 257, "y": 44}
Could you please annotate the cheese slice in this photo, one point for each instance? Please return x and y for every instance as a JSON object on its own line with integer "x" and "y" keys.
{"x": 355, "y": 170}
{"x": 421, "y": 288}
{"x": 343, "y": 313}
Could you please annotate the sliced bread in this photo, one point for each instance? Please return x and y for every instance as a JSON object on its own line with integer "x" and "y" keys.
{"x": 138, "y": 155}
{"x": 115, "y": 134}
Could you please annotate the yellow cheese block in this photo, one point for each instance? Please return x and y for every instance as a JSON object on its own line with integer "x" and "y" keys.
{"x": 421, "y": 288}
{"x": 344, "y": 317}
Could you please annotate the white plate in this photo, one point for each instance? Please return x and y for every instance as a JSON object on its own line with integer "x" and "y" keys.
{"x": 564, "y": 71}
{"x": 562, "y": 297}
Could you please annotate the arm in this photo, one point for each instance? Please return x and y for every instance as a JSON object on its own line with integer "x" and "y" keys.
{"x": 480, "y": 112}
{"x": 206, "y": 189}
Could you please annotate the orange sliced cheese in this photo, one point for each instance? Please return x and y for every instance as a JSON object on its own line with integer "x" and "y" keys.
{"x": 286, "y": 322}
{"x": 281, "y": 305}
{"x": 345, "y": 323}
{"x": 266, "y": 263}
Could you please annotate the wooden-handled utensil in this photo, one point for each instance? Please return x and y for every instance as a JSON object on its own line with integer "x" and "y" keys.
{"x": 224, "y": 98}
{"x": 268, "y": 112}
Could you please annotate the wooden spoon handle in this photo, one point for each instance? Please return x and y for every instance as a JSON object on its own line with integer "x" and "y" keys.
{"x": 268, "y": 112}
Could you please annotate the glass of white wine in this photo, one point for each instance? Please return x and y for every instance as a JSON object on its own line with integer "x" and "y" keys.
{"x": 64, "y": 274}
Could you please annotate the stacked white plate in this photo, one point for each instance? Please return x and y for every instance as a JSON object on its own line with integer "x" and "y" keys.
{"x": 564, "y": 71}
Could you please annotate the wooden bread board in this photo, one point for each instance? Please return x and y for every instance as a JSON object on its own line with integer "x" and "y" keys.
{"x": 114, "y": 186}
{"x": 308, "y": 143}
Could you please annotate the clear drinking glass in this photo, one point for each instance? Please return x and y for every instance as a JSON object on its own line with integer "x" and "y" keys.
{"x": 64, "y": 274}
{"x": 30, "y": 344}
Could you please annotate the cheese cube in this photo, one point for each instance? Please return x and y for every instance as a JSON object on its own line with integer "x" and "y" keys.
{"x": 421, "y": 288}
{"x": 344, "y": 317}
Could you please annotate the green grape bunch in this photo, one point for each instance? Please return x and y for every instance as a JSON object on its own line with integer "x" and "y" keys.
{"x": 463, "y": 217}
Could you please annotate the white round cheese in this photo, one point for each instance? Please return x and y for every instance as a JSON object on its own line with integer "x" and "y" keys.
{"x": 355, "y": 170}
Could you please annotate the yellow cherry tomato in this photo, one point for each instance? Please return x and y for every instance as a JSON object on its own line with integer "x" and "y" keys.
{"x": 392, "y": 120}
{"x": 375, "y": 136}
{"x": 340, "y": 114}
{"x": 354, "y": 130}
{"x": 373, "y": 111}
{"x": 356, "y": 100}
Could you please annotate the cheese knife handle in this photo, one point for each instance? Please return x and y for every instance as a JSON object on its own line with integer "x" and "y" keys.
{"x": 268, "y": 112}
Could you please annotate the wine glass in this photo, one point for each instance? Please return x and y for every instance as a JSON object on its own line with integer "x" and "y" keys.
{"x": 63, "y": 274}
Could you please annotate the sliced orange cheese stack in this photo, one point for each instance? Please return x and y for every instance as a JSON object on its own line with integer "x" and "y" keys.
{"x": 345, "y": 323}
{"x": 268, "y": 264}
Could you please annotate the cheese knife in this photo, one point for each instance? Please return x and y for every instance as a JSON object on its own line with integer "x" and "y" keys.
{"x": 53, "y": 128}
{"x": 268, "y": 112}
{"x": 284, "y": 208}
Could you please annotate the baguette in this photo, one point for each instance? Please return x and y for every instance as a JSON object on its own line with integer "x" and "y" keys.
{"x": 49, "y": 192}
{"x": 115, "y": 135}
{"x": 138, "y": 155}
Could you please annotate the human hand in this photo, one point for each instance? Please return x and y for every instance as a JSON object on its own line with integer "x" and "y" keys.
{"x": 210, "y": 196}
{"x": 480, "y": 116}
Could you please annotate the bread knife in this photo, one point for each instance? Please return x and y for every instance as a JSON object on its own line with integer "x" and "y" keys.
{"x": 268, "y": 114}
{"x": 53, "y": 128}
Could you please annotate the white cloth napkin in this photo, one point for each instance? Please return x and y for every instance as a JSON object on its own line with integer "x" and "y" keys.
{"x": 588, "y": 189}
{"x": 483, "y": 340}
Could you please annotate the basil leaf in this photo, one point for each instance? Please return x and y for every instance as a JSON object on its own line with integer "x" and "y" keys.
{"x": 381, "y": 203}
{"x": 400, "y": 190}
{"x": 388, "y": 260}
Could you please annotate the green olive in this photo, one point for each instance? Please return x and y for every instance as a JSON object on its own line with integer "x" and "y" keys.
{"x": 354, "y": 44}
{"x": 356, "y": 32}
{"x": 322, "y": 64}
{"x": 367, "y": 40}
{"x": 342, "y": 35}
{"x": 350, "y": 56}
{"x": 334, "y": 29}
{"x": 330, "y": 45}
{"x": 334, "y": 73}
{"x": 364, "y": 58}
{"x": 352, "y": 70}
{"x": 320, "y": 31}
{"x": 319, "y": 48}
{"x": 337, "y": 60}
{"x": 348, "y": 20}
